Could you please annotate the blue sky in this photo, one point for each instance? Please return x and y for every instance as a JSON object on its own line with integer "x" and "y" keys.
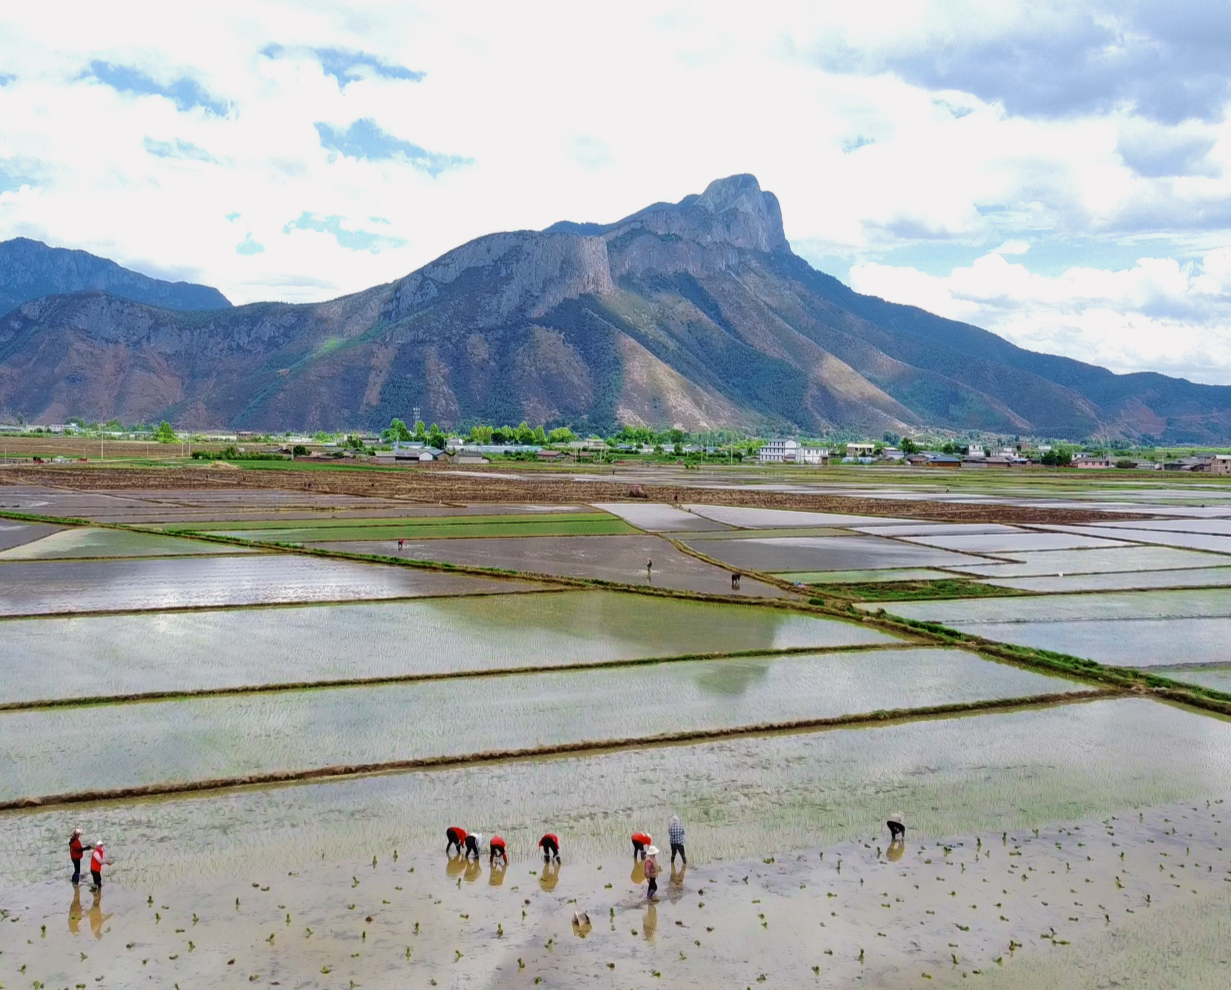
{"x": 1059, "y": 173}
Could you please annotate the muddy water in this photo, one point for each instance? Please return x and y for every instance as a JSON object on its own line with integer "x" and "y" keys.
{"x": 1013, "y": 908}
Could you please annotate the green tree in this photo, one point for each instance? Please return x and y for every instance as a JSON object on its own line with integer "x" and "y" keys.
{"x": 322, "y": 437}
{"x": 396, "y": 431}
{"x": 435, "y": 437}
{"x": 113, "y": 425}
{"x": 481, "y": 434}
{"x": 166, "y": 433}
{"x": 299, "y": 450}
{"x": 524, "y": 433}
{"x": 540, "y": 436}
{"x": 562, "y": 434}
{"x": 420, "y": 431}
{"x": 909, "y": 446}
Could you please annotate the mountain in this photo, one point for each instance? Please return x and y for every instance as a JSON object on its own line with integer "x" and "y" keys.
{"x": 30, "y": 269}
{"x": 694, "y": 312}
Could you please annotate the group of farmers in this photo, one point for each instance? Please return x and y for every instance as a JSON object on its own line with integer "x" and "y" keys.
{"x": 470, "y": 845}
{"x": 98, "y": 859}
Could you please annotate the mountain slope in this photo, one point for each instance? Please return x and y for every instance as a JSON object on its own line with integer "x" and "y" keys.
{"x": 695, "y": 313}
{"x": 30, "y": 269}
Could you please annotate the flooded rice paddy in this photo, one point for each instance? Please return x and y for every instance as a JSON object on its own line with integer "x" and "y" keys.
{"x": 658, "y": 518}
{"x": 49, "y": 587}
{"x": 621, "y": 559}
{"x": 1196, "y": 577}
{"x": 1140, "y": 643}
{"x": 1034, "y": 837}
{"x": 15, "y": 534}
{"x": 1118, "y": 559}
{"x": 824, "y": 553}
{"x": 84, "y": 542}
{"x": 1193, "y": 603}
{"x": 1020, "y": 541}
{"x": 205, "y": 738}
{"x": 182, "y": 651}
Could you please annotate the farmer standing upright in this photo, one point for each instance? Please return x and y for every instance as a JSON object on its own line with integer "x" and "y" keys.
{"x": 97, "y": 861}
{"x": 75, "y": 851}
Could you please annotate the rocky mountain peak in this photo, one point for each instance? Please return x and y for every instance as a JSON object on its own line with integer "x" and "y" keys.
{"x": 752, "y": 219}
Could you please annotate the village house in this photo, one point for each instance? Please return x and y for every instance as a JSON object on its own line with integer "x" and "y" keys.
{"x": 792, "y": 452}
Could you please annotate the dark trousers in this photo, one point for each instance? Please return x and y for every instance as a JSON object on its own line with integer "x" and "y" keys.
{"x": 98, "y": 877}
{"x": 550, "y": 850}
{"x": 896, "y": 831}
{"x": 678, "y": 847}
{"x": 76, "y": 871}
{"x": 653, "y": 887}
{"x": 639, "y": 849}
{"x": 472, "y": 846}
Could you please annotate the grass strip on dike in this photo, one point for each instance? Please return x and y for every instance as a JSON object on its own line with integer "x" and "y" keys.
{"x": 880, "y": 717}
{"x": 171, "y": 694}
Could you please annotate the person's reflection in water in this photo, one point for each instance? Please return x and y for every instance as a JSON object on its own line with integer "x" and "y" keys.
{"x": 638, "y": 874}
{"x": 496, "y": 877}
{"x": 455, "y": 866}
{"x": 474, "y": 870}
{"x": 550, "y": 876}
{"x": 97, "y": 918}
{"x": 649, "y": 926}
{"x": 896, "y": 848}
{"x": 675, "y": 885}
{"x": 74, "y": 912}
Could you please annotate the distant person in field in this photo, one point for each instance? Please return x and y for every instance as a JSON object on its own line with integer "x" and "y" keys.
{"x": 652, "y": 870}
{"x": 473, "y": 841}
{"x": 675, "y": 832}
{"x": 550, "y": 844}
{"x": 897, "y": 830}
{"x": 498, "y": 851}
{"x": 97, "y": 861}
{"x": 75, "y": 852}
{"x": 640, "y": 841}
{"x": 456, "y": 837}
{"x": 735, "y": 582}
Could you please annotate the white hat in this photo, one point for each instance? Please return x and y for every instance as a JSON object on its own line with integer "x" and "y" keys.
{"x": 652, "y": 851}
{"x": 98, "y": 844}
{"x": 478, "y": 838}
{"x": 896, "y": 818}
{"x": 76, "y": 831}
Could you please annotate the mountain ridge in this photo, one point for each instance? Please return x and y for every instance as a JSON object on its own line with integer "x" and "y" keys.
{"x": 30, "y": 269}
{"x": 694, "y": 312}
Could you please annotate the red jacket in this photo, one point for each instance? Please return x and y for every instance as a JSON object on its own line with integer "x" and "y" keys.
{"x": 96, "y": 860}
{"x": 549, "y": 837}
{"x": 641, "y": 837}
{"x": 75, "y": 850}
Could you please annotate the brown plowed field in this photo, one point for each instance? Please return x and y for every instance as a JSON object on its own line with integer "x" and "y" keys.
{"x": 433, "y": 486}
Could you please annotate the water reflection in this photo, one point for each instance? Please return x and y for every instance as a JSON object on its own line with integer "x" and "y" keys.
{"x": 675, "y": 883}
{"x": 550, "y": 876}
{"x": 895, "y": 850}
{"x": 97, "y": 918}
{"x": 496, "y": 877}
{"x": 455, "y": 866}
{"x": 638, "y": 874}
{"x": 731, "y": 678}
{"x": 649, "y": 926}
{"x": 474, "y": 870}
{"x": 74, "y": 912}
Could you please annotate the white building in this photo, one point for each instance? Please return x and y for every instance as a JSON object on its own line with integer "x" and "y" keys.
{"x": 860, "y": 449}
{"x": 792, "y": 452}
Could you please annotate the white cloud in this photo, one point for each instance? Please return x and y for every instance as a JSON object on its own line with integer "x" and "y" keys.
{"x": 585, "y": 112}
{"x": 1158, "y": 315}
